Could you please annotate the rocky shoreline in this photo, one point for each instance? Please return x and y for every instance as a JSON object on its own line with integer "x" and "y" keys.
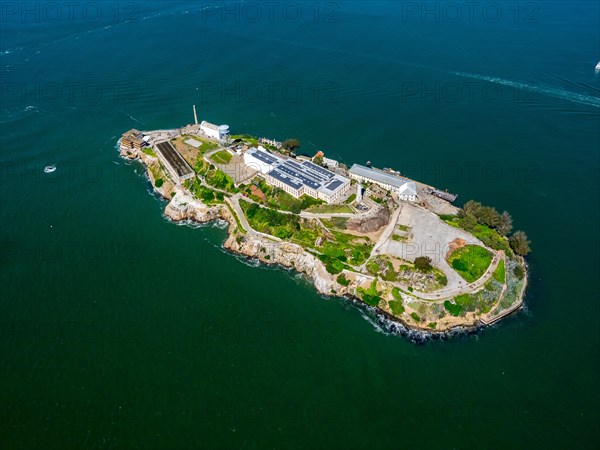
{"x": 183, "y": 206}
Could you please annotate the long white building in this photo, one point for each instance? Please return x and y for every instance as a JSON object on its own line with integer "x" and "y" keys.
{"x": 406, "y": 189}
{"x": 297, "y": 178}
{"x": 219, "y": 132}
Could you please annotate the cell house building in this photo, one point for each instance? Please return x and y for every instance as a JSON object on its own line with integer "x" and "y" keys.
{"x": 406, "y": 189}
{"x": 297, "y": 178}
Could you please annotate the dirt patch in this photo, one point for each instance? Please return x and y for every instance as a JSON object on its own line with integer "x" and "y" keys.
{"x": 189, "y": 153}
{"x": 254, "y": 190}
{"x": 371, "y": 223}
{"x": 456, "y": 243}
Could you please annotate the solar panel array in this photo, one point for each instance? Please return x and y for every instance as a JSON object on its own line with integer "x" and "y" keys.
{"x": 264, "y": 157}
{"x": 334, "y": 185}
{"x": 285, "y": 179}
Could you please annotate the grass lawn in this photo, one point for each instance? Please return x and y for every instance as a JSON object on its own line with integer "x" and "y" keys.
{"x": 206, "y": 144}
{"x": 148, "y": 151}
{"x": 222, "y": 157}
{"x": 470, "y": 261}
{"x": 500, "y": 272}
{"x": 330, "y": 209}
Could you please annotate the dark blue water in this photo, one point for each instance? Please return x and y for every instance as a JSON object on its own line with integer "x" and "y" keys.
{"x": 123, "y": 330}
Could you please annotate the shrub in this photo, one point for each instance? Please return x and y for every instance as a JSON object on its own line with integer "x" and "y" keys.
{"x": 415, "y": 316}
{"x": 341, "y": 279}
{"x": 159, "y": 182}
{"x": 397, "y": 307}
{"x": 423, "y": 263}
{"x": 455, "y": 310}
{"x": 519, "y": 272}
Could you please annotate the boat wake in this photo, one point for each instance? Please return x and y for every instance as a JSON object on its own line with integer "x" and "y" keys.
{"x": 563, "y": 94}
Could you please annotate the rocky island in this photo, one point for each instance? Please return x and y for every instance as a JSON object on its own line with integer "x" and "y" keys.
{"x": 393, "y": 245}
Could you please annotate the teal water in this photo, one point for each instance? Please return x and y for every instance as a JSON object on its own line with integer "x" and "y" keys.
{"x": 123, "y": 330}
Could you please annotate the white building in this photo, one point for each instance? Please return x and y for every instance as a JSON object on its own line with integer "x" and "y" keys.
{"x": 330, "y": 163}
{"x": 406, "y": 189}
{"x": 261, "y": 160}
{"x": 218, "y": 132}
{"x": 297, "y": 178}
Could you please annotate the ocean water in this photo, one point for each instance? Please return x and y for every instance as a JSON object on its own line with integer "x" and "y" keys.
{"x": 123, "y": 330}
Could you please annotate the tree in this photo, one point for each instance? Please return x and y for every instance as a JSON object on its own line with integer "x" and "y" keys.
{"x": 487, "y": 215}
{"x": 519, "y": 272}
{"x": 318, "y": 160}
{"x": 423, "y": 263}
{"x": 519, "y": 243}
{"x": 291, "y": 145}
{"x": 505, "y": 224}
{"x": 468, "y": 222}
{"x": 471, "y": 207}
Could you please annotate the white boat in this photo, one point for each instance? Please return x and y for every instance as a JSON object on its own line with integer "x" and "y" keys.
{"x": 49, "y": 169}
{"x": 598, "y": 67}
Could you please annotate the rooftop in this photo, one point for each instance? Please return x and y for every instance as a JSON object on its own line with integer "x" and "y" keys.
{"x": 379, "y": 175}
{"x": 212, "y": 126}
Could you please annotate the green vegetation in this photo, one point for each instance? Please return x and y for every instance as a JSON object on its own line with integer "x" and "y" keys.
{"x": 247, "y": 138}
{"x": 396, "y": 293}
{"x": 279, "y": 199}
{"x": 269, "y": 221}
{"x": 370, "y": 296}
{"x": 291, "y": 145}
{"x": 397, "y": 237}
{"x": 343, "y": 280}
{"x": 204, "y": 194}
{"x": 221, "y": 157}
{"x": 470, "y": 261}
{"x": 397, "y": 307}
{"x": 480, "y": 302}
{"x": 490, "y": 227}
{"x": 220, "y": 180}
{"x": 350, "y": 199}
{"x": 519, "y": 272}
{"x": 432, "y": 325}
{"x": 500, "y": 272}
{"x": 159, "y": 182}
{"x": 441, "y": 278}
{"x": 382, "y": 266}
{"x": 486, "y": 215}
{"x": 335, "y": 222}
{"x": 423, "y": 263}
{"x": 330, "y": 209}
{"x": 519, "y": 243}
{"x": 206, "y": 144}
{"x": 238, "y": 223}
{"x": 415, "y": 317}
{"x": 453, "y": 309}
{"x": 403, "y": 227}
{"x": 337, "y": 249}
{"x": 148, "y": 151}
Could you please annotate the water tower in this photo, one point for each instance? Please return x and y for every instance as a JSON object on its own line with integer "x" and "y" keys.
{"x": 223, "y": 132}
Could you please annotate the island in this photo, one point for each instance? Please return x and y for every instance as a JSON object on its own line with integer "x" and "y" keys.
{"x": 392, "y": 245}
